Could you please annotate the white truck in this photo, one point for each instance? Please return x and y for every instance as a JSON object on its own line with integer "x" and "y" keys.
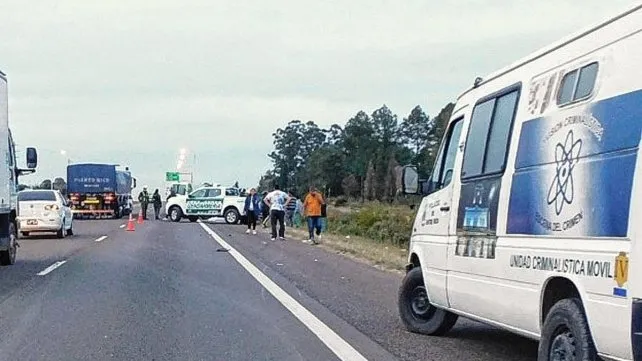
{"x": 10, "y": 173}
{"x": 531, "y": 219}
{"x": 208, "y": 202}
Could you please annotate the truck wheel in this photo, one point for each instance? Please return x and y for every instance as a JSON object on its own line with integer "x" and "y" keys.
{"x": 25, "y": 234}
{"x": 175, "y": 214}
{"x": 231, "y": 216}
{"x": 566, "y": 335}
{"x": 8, "y": 257}
{"x": 416, "y": 312}
{"x": 192, "y": 219}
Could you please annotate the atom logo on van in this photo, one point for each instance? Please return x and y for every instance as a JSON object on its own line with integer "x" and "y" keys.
{"x": 566, "y": 157}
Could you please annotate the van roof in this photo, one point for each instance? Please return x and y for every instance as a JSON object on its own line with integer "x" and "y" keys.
{"x": 554, "y": 46}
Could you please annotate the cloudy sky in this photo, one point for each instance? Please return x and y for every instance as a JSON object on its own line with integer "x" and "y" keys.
{"x": 132, "y": 82}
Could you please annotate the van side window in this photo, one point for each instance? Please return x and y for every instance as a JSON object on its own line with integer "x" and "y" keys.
{"x": 576, "y": 87}
{"x": 489, "y": 135}
{"x": 443, "y": 170}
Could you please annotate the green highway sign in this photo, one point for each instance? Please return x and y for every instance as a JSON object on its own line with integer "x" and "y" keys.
{"x": 172, "y": 176}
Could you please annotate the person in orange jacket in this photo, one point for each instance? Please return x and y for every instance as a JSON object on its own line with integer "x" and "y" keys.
{"x": 312, "y": 210}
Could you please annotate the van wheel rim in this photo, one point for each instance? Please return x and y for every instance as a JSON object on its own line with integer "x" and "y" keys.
{"x": 174, "y": 214}
{"x": 231, "y": 217}
{"x": 563, "y": 346}
{"x": 420, "y": 303}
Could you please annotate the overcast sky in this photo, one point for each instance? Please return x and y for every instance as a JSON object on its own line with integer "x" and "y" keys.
{"x": 131, "y": 82}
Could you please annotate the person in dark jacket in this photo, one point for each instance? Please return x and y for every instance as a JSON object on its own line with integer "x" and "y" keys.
{"x": 265, "y": 211}
{"x": 252, "y": 210}
{"x": 157, "y": 202}
{"x": 143, "y": 198}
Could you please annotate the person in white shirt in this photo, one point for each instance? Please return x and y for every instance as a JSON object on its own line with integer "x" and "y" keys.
{"x": 276, "y": 200}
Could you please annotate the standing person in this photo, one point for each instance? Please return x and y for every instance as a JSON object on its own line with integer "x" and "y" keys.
{"x": 265, "y": 210}
{"x": 276, "y": 200}
{"x": 143, "y": 198}
{"x": 312, "y": 206}
{"x": 252, "y": 210}
{"x": 157, "y": 202}
{"x": 290, "y": 209}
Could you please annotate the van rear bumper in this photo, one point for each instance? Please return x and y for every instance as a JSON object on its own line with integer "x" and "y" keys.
{"x": 636, "y": 329}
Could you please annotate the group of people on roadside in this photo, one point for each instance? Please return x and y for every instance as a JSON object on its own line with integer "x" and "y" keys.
{"x": 280, "y": 208}
{"x": 144, "y": 199}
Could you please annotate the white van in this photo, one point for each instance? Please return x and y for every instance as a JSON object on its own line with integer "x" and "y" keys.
{"x": 528, "y": 222}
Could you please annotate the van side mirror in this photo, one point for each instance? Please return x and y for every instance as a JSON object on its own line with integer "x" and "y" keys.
{"x": 410, "y": 180}
{"x": 32, "y": 158}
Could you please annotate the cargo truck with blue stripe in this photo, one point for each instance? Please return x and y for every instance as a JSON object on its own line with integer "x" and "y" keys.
{"x": 99, "y": 190}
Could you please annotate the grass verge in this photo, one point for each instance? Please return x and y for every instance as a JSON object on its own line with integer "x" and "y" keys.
{"x": 383, "y": 256}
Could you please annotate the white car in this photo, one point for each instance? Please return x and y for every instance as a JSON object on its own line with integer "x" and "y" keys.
{"x": 44, "y": 211}
{"x": 207, "y": 202}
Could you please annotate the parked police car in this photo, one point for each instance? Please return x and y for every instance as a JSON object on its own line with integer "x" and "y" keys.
{"x": 208, "y": 202}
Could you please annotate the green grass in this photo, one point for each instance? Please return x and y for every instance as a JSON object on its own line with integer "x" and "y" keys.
{"x": 381, "y": 223}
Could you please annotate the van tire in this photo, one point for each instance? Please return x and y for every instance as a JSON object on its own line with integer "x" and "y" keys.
{"x": 567, "y": 330}
{"x": 415, "y": 310}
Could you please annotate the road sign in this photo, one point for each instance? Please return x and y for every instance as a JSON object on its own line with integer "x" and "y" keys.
{"x": 172, "y": 176}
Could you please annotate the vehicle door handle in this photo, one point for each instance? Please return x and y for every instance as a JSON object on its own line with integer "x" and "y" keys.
{"x": 444, "y": 208}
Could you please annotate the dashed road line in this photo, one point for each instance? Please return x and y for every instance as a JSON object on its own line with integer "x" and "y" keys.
{"x": 51, "y": 268}
{"x": 100, "y": 239}
{"x": 336, "y": 344}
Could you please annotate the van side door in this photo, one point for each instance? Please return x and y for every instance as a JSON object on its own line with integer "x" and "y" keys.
{"x": 432, "y": 225}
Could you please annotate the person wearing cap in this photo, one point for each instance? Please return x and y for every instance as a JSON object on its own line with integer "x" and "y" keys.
{"x": 143, "y": 198}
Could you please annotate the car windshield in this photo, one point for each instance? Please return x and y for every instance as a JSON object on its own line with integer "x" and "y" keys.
{"x": 36, "y": 196}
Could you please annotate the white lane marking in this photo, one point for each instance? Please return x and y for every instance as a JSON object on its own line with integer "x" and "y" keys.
{"x": 334, "y": 342}
{"x": 51, "y": 268}
{"x": 122, "y": 226}
{"x": 101, "y": 239}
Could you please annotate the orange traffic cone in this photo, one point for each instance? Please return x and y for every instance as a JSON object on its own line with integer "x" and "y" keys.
{"x": 140, "y": 217}
{"x": 130, "y": 223}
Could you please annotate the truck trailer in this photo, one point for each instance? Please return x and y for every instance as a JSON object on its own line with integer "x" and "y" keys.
{"x": 99, "y": 190}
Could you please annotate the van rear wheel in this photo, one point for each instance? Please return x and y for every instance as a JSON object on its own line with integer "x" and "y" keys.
{"x": 416, "y": 311}
{"x": 566, "y": 335}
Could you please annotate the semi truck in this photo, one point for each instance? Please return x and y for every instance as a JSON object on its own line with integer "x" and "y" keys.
{"x": 99, "y": 190}
{"x": 9, "y": 173}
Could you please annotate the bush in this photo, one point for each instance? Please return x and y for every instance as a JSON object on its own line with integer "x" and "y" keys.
{"x": 382, "y": 223}
{"x": 340, "y": 201}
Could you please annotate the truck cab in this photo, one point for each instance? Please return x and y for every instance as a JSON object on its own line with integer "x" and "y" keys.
{"x": 207, "y": 202}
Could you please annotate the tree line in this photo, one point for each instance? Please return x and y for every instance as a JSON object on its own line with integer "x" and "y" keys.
{"x": 361, "y": 159}
{"x": 57, "y": 184}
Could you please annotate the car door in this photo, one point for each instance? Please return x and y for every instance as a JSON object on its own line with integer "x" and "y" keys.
{"x": 432, "y": 228}
{"x": 196, "y": 203}
{"x": 215, "y": 201}
{"x": 65, "y": 211}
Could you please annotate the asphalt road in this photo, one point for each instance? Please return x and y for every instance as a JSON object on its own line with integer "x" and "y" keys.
{"x": 173, "y": 292}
